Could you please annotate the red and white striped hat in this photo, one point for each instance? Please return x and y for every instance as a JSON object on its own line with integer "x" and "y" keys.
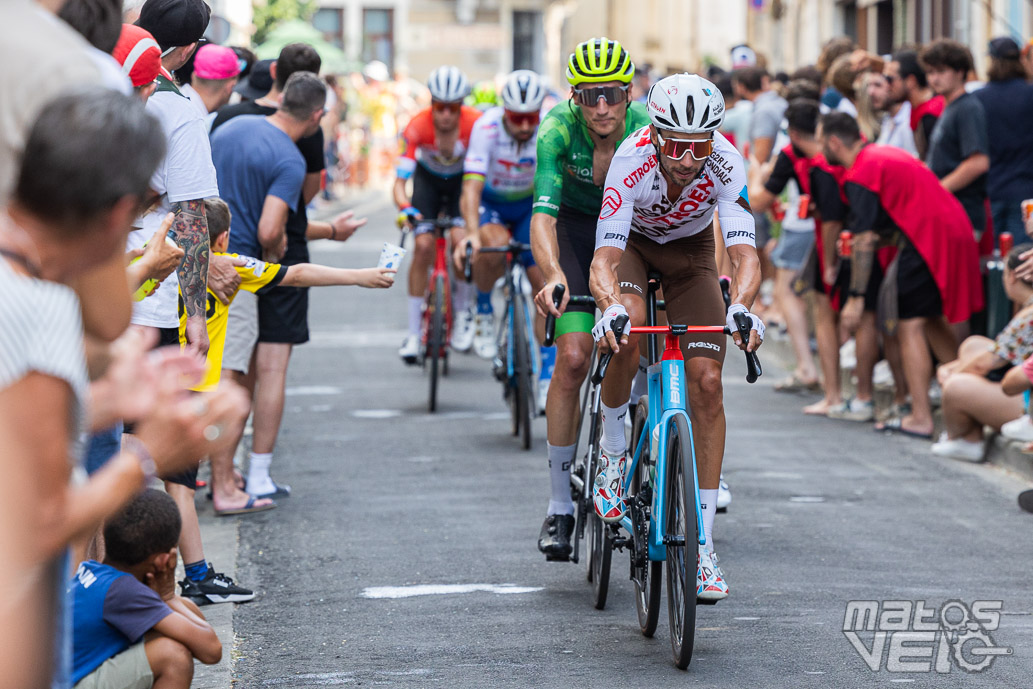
{"x": 139, "y": 55}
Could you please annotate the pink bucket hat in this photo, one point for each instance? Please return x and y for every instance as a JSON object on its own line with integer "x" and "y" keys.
{"x": 216, "y": 62}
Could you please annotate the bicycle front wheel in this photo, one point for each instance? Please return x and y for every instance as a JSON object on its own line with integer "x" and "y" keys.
{"x": 522, "y": 371}
{"x": 682, "y": 537}
{"x": 436, "y": 338}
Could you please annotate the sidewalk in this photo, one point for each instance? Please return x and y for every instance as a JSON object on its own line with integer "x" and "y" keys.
{"x": 999, "y": 450}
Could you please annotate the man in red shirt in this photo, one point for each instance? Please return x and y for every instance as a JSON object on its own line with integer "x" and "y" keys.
{"x": 933, "y": 281}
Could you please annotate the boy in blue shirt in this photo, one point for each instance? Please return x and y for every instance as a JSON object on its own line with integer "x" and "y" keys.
{"x": 130, "y": 629}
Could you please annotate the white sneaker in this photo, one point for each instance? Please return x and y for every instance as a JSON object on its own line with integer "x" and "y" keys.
{"x": 410, "y": 349}
{"x": 543, "y": 394}
{"x": 957, "y": 448}
{"x": 462, "y": 330}
{"x": 484, "y": 336}
{"x": 1020, "y": 429}
{"x": 724, "y": 496}
{"x": 710, "y": 580}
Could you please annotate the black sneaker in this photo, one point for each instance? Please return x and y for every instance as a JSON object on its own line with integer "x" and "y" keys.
{"x": 554, "y": 539}
{"x": 214, "y": 588}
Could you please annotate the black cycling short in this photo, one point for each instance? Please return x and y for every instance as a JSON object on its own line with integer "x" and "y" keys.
{"x": 575, "y": 234}
{"x": 433, "y": 195}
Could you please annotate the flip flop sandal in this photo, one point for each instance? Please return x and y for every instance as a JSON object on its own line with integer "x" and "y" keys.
{"x": 795, "y": 384}
{"x": 247, "y": 508}
{"x": 894, "y": 425}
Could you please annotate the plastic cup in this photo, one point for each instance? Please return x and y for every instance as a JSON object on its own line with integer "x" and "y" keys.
{"x": 391, "y": 256}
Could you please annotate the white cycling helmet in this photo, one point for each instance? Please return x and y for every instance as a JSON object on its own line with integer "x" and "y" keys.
{"x": 448, "y": 84}
{"x": 685, "y": 103}
{"x": 523, "y": 92}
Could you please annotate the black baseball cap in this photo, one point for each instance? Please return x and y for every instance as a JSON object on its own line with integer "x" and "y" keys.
{"x": 1004, "y": 48}
{"x": 175, "y": 23}
{"x": 258, "y": 83}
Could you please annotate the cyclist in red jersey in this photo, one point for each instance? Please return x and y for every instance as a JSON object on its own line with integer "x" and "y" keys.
{"x": 433, "y": 147}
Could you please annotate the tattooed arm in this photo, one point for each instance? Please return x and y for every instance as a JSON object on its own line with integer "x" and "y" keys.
{"x": 865, "y": 206}
{"x": 191, "y": 228}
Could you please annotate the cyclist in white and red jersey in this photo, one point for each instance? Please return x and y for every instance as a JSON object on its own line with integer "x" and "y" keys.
{"x": 663, "y": 186}
{"x": 498, "y": 188}
{"x": 433, "y": 146}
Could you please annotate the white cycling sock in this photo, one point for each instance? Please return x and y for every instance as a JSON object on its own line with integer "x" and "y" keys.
{"x": 560, "y": 459}
{"x": 258, "y": 480}
{"x": 463, "y": 295}
{"x": 708, "y": 505}
{"x": 640, "y": 384}
{"x": 415, "y": 314}
{"x": 613, "y": 441}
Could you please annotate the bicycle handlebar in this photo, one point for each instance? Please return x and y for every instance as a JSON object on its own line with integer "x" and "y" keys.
{"x": 511, "y": 248}
{"x": 753, "y": 368}
{"x": 617, "y": 326}
{"x": 557, "y": 299}
{"x": 468, "y": 264}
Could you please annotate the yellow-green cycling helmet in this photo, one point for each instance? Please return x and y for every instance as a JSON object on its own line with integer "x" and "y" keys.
{"x": 599, "y": 59}
{"x": 483, "y": 96}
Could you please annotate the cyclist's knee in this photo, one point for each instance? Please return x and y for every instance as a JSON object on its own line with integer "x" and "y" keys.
{"x": 705, "y": 382}
{"x": 494, "y": 235}
{"x": 423, "y": 249}
{"x": 572, "y": 360}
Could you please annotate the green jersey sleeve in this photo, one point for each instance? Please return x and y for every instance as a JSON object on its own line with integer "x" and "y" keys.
{"x": 553, "y": 146}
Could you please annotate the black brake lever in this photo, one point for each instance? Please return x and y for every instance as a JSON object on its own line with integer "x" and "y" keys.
{"x": 617, "y": 325}
{"x": 753, "y": 367}
{"x": 550, "y": 320}
{"x": 468, "y": 264}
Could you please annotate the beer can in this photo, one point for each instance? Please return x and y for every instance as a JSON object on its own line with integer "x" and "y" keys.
{"x": 1027, "y": 210}
{"x": 804, "y": 209}
{"x": 846, "y": 241}
{"x": 1006, "y": 242}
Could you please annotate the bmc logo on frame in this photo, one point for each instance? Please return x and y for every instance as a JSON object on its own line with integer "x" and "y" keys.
{"x": 910, "y": 637}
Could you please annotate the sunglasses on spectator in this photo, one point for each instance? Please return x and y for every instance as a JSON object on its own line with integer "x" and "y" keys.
{"x": 521, "y": 119}
{"x": 611, "y": 94}
{"x": 675, "y": 149}
{"x": 446, "y": 107}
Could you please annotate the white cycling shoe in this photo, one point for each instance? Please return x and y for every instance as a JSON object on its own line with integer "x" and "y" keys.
{"x": 484, "y": 336}
{"x": 410, "y": 349}
{"x": 724, "y": 496}
{"x": 710, "y": 580}
{"x": 463, "y": 330}
{"x": 608, "y": 491}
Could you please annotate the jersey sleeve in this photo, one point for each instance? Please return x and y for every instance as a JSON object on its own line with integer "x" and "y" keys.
{"x": 552, "y": 146}
{"x": 618, "y": 207}
{"x": 825, "y": 194}
{"x": 258, "y": 276}
{"x": 408, "y": 142}
{"x": 734, "y": 212}
{"x": 864, "y": 207}
{"x": 133, "y": 608}
{"x": 478, "y": 154}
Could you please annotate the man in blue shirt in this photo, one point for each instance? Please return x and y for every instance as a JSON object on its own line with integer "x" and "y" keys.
{"x": 133, "y": 594}
{"x": 1008, "y": 101}
{"x": 261, "y": 174}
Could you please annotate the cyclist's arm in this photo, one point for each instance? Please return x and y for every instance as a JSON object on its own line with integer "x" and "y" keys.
{"x": 406, "y": 165}
{"x": 552, "y": 145}
{"x": 400, "y": 193}
{"x": 611, "y": 231}
{"x": 737, "y": 225}
{"x": 470, "y": 204}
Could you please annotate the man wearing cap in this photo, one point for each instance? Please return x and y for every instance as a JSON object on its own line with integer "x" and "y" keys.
{"x": 1008, "y": 101}
{"x": 958, "y": 148}
{"x": 211, "y": 84}
{"x": 140, "y": 58}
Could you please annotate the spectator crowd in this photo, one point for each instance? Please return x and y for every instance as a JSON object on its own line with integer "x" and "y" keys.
{"x": 154, "y": 269}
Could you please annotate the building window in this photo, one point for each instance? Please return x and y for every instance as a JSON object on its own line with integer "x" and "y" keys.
{"x": 330, "y": 22}
{"x": 378, "y": 40}
{"x": 527, "y": 41}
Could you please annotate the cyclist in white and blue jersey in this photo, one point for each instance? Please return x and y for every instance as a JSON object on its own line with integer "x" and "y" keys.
{"x": 498, "y": 189}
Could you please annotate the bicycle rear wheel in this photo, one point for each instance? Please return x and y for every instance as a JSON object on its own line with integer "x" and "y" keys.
{"x": 436, "y": 338}
{"x": 645, "y": 573}
{"x": 682, "y": 549}
{"x": 522, "y": 370}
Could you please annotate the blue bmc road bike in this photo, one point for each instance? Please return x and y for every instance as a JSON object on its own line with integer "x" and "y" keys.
{"x": 664, "y": 520}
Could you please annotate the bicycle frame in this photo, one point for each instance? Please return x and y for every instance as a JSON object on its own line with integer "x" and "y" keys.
{"x": 667, "y": 383}
{"x": 440, "y": 269}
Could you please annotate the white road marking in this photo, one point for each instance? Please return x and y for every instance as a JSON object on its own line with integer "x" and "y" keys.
{"x": 443, "y": 590}
{"x": 747, "y": 619}
{"x": 376, "y": 413}
{"x": 313, "y": 390}
{"x": 806, "y": 498}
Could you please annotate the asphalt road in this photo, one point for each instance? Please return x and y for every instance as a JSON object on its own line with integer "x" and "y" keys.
{"x": 387, "y": 495}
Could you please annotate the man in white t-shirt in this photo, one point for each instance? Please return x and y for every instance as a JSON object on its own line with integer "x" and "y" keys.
{"x": 212, "y": 81}
{"x": 183, "y": 180}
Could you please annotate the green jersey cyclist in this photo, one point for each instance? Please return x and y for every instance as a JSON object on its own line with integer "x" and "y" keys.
{"x": 576, "y": 142}
{"x": 662, "y": 189}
